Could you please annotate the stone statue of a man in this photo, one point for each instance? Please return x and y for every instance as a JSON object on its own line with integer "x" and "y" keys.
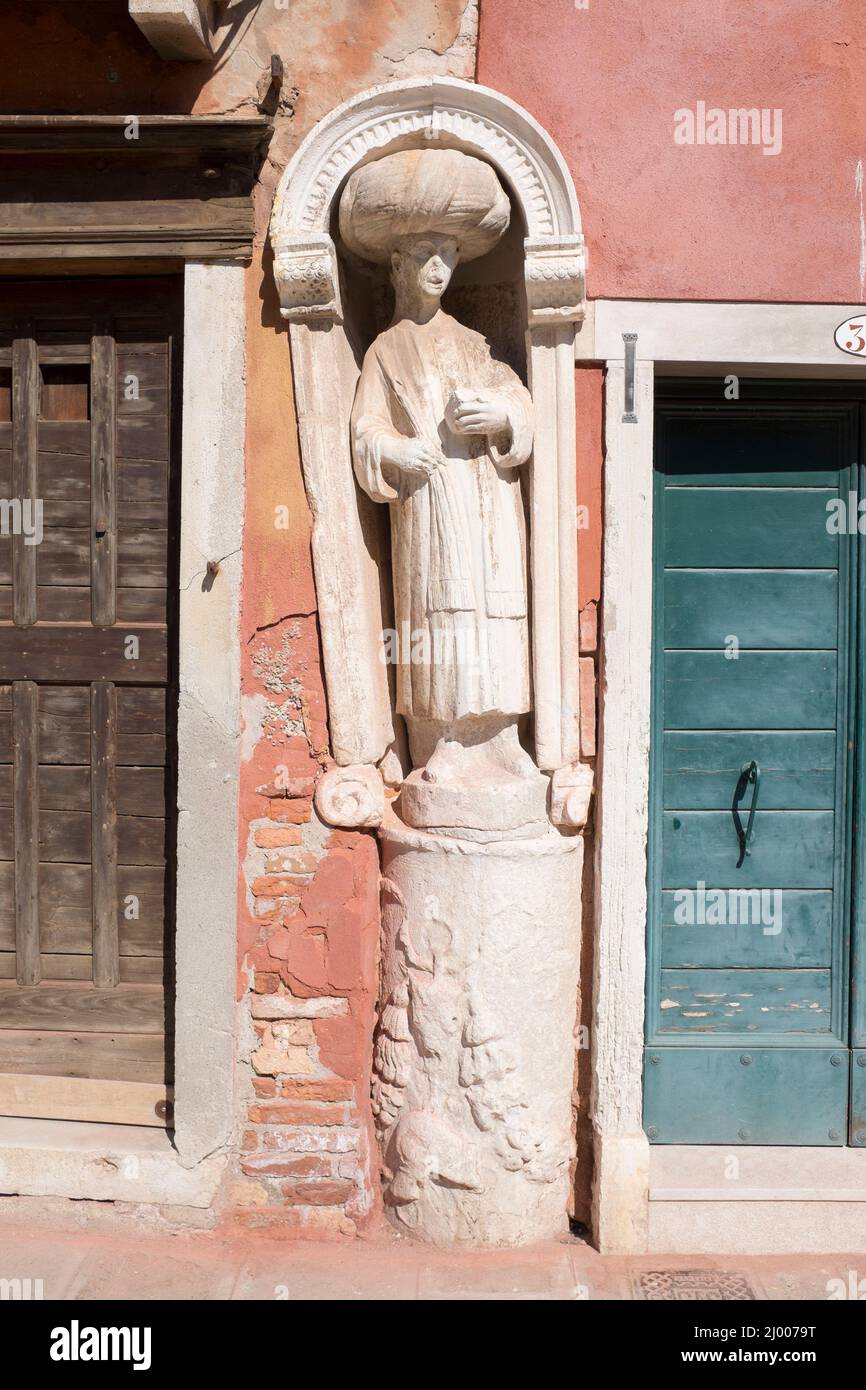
{"x": 439, "y": 431}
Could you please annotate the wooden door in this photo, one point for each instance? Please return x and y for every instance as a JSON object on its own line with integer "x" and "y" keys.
{"x": 748, "y": 961}
{"x": 87, "y": 623}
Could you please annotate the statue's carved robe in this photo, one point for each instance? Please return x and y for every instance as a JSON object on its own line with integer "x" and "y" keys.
{"x": 458, "y": 540}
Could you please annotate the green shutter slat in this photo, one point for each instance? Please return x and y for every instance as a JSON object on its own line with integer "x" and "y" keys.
{"x": 773, "y": 609}
{"x": 761, "y": 690}
{"x": 709, "y": 527}
{"x": 758, "y": 927}
{"x": 737, "y": 1001}
{"x": 791, "y": 849}
{"x": 699, "y": 769}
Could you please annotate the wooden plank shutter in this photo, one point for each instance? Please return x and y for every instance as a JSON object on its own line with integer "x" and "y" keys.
{"x": 87, "y": 697}
{"x": 748, "y": 968}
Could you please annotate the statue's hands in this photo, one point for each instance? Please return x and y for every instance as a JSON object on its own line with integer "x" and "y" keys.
{"x": 481, "y": 412}
{"x": 417, "y": 457}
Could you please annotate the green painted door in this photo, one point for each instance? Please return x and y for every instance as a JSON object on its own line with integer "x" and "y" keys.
{"x": 751, "y": 1037}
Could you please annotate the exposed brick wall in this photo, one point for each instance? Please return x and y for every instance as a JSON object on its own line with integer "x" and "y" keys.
{"x": 307, "y": 1155}
{"x": 310, "y": 941}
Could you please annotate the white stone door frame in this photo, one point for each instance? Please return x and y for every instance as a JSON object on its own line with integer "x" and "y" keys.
{"x": 632, "y": 1186}
{"x": 127, "y": 1163}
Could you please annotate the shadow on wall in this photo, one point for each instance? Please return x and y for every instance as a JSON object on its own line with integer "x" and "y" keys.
{"x": 94, "y": 58}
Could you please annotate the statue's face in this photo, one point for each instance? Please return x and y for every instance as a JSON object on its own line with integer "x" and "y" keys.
{"x": 427, "y": 263}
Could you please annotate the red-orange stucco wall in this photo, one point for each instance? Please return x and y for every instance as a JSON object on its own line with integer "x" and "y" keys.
{"x": 669, "y": 221}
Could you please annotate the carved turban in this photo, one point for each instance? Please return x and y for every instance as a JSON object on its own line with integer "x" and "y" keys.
{"x": 418, "y": 191}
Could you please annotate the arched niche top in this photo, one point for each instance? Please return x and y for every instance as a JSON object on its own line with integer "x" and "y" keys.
{"x": 454, "y": 114}
{"x": 487, "y": 124}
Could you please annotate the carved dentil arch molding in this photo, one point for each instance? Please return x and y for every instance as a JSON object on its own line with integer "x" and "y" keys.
{"x": 484, "y": 123}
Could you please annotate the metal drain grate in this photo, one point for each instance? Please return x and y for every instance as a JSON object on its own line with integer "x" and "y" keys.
{"x": 697, "y": 1285}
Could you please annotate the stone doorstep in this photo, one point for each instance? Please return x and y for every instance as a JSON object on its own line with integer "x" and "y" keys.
{"x": 737, "y": 1229}
{"x": 103, "y": 1163}
{"x": 762, "y": 1173}
{"x": 781, "y": 1200}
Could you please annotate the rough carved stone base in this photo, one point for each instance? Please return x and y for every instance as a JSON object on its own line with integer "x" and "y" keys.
{"x": 484, "y": 809}
{"x": 475, "y": 1049}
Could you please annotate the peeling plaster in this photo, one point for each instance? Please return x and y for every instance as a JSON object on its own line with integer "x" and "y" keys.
{"x": 253, "y": 714}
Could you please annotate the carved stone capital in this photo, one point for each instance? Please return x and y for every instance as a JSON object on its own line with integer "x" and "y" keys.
{"x": 555, "y": 280}
{"x": 570, "y": 795}
{"x": 352, "y": 797}
{"x": 305, "y": 269}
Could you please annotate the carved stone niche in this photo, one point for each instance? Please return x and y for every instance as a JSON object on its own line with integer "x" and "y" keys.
{"x": 465, "y": 756}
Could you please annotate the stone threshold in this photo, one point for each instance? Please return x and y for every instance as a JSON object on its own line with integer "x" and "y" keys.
{"x": 102, "y": 1163}
{"x": 756, "y": 1200}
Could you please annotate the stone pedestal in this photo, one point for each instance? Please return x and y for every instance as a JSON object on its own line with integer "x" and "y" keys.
{"x": 474, "y": 1062}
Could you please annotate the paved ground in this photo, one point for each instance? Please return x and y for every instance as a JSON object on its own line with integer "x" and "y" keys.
{"x": 87, "y": 1264}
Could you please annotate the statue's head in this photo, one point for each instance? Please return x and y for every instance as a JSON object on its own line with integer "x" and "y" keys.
{"x": 423, "y": 211}
{"x": 424, "y": 264}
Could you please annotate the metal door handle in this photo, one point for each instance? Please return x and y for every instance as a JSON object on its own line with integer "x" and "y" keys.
{"x": 749, "y": 774}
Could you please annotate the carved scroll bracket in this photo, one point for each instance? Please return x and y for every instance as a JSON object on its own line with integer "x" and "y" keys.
{"x": 351, "y": 797}
{"x": 305, "y": 269}
{"x": 555, "y": 280}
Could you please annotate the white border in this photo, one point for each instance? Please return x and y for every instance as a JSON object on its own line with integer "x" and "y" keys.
{"x": 697, "y": 332}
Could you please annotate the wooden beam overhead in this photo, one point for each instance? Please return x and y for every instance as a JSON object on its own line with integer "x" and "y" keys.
{"x": 139, "y": 188}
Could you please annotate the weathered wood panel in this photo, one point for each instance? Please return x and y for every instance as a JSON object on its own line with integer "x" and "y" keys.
{"x": 114, "y": 1056}
{"x": 48, "y": 654}
{"x": 756, "y": 927}
{"x": 140, "y": 790}
{"x": 790, "y": 849}
{"x": 146, "y": 970}
{"x": 25, "y": 417}
{"x": 65, "y": 908}
{"x": 99, "y": 1101}
{"x": 103, "y": 490}
{"x": 84, "y": 665}
{"x": 103, "y": 833}
{"x": 127, "y": 1008}
{"x": 24, "y": 828}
